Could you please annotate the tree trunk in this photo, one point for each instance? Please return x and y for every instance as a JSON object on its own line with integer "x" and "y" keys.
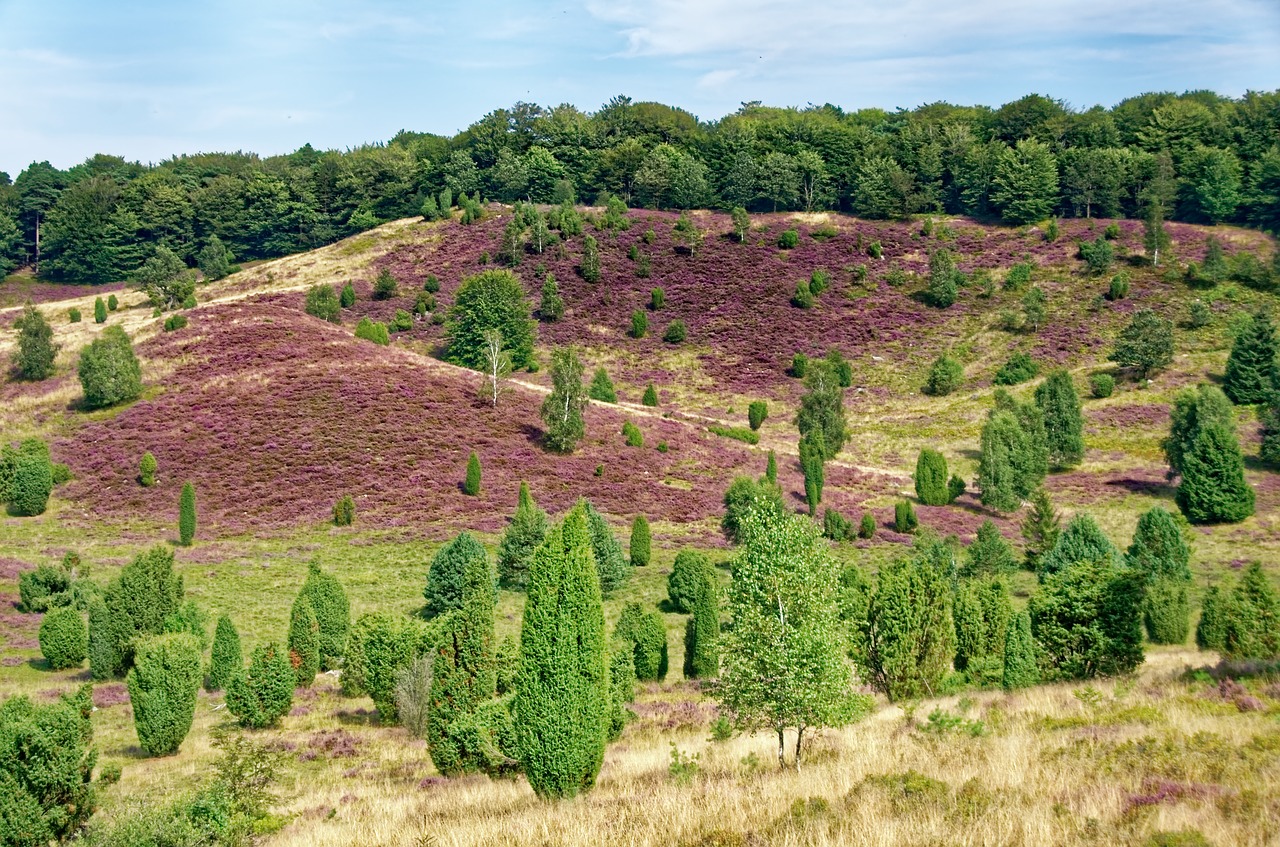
{"x": 799, "y": 740}
{"x": 782, "y": 758}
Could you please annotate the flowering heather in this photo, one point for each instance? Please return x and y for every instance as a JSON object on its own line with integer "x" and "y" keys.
{"x": 110, "y": 694}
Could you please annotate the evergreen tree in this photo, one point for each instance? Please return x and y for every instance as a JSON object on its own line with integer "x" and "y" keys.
{"x": 147, "y": 470}
{"x": 1270, "y": 449}
{"x": 64, "y": 638}
{"x": 304, "y": 642}
{"x": 30, "y": 482}
{"x": 1063, "y": 423}
{"x": 689, "y": 571}
{"x": 550, "y": 306}
{"x": 447, "y": 576}
{"x": 1145, "y": 344}
{"x": 1251, "y": 627}
{"x": 1193, "y": 409}
{"x": 590, "y": 266}
{"x": 811, "y": 464}
{"x": 214, "y": 259}
{"x": 1087, "y": 620}
{"x": 945, "y": 376}
{"x": 1081, "y": 541}
{"x": 187, "y": 515}
{"x": 611, "y": 566}
{"x": 646, "y": 632}
{"x": 622, "y": 688}
{"x": 639, "y": 545}
{"x": 136, "y": 603}
{"x": 1031, "y": 464}
{"x": 822, "y": 408}
{"x": 931, "y": 478}
{"x": 1020, "y": 669}
{"x": 36, "y": 350}
{"x": 526, "y": 532}
{"x": 262, "y": 694}
{"x": 471, "y": 487}
{"x": 99, "y": 310}
{"x": 162, "y": 691}
{"x": 561, "y": 705}
{"x": 1002, "y": 441}
{"x": 702, "y": 632}
{"x": 1211, "y": 631}
{"x": 639, "y": 324}
{"x": 1213, "y": 487}
{"x": 989, "y": 554}
{"x": 904, "y": 517}
{"x": 333, "y": 614}
{"x": 650, "y": 397}
{"x": 602, "y": 387}
{"x": 562, "y": 410}
{"x": 347, "y": 297}
{"x": 982, "y": 611}
{"x": 225, "y": 660}
{"x": 771, "y": 468}
{"x": 108, "y": 369}
{"x": 1253, "y": 368}
{"x": 1159, "y": 552}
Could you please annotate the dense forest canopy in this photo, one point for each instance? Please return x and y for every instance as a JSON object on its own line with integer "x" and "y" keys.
{"x": 1195, "y": 157}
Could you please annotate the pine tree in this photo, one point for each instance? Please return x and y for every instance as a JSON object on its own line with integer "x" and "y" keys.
{"x": 527, "y": 531}
{"x": 989, "y": 554}
{"x": 225, "y": 660}
{"x": 1213, "y": 487}
{"x": 1270, "y": 449}
{"x": 931, "y": 478}
{"x": 562, "y": 410}
{"x": 333, "y": 614}
{"x": 562, "y": 699}
{"x": 471, "y": 487}
{"x": 702, "y": 632}
{"x": 1081, "y": 541}
{"x": 447, "y": 575}
{"x": 1063, "y": 423}
{"x": 1020, "y": 669}
{"x": 602, "y": 387}
{"x": 36, "y": 351}
{"x": 1160, "y": 553}
{"x": 162, "y": 691}
{"x": 1253, "y": 368}
{"x": 187, "y": 515}
{"x": 639, "y": 546}
{"x": 811, "y": 463}
{"x": 304, "y": 642}
{"x": 347, "y": 298}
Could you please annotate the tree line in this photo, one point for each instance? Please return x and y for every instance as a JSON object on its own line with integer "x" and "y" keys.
{"x": 1196, "y": 157}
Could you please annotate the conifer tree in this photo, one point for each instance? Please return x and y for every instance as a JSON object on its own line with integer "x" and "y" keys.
{"x": 1213, "y": 487}
{"x": 1253, "y": 368}
{"x": 562, "y": 410}
{"x": 550, "y": 306}
{"x": 1193, "y": 409}
{"x": 99, "y": 311}
{"x": 688, "y": 572}
{"x": 702, "y": 632}
{"x": 135, "y": 604}
{"x": 1081, "y": 541}
{"x": 1063, "y": 423}
{"x": 1087, "y": 620}
{"x": 36, "y": 350}
{"x": 811, "y": 463}
{"x": 447, "y": 576}
{"x": 304, "y": 642}
{"x": 639, "y": 545}
{"x": 1251, "y": 628}
{"x": 1031, "y": 464}
{"x": 1002, "y": 440}
{"x": 162, "y": 685}
{"x": 187, "y": 515}
{"x": 225, "y": 660}
{"x": 822, "y": 408}
{"x": 771, "y": 468}
{"x": 645, "y": 631}
{"x": 1020, "y": 669}
{"x": 333, "y": 614}
{"x": 611, "y": 566}
{"x": 989, "y": 554}
{"x": 650, "y": 397}
{"x": 562, "y": 687}
{"x": 1160, "y": 553}
{"x": 262, "y": 693}
{"x": 1270, "y": 449}
{"x": 602, "y": 387}
{"x": 526, "y": 532}
{"x": 622, "y": 687}
{"x": 1211, "y": 631}
{"x": 931, "y": 478}
{"x": 147, "y": 470}
{"x": 471, "y": 486}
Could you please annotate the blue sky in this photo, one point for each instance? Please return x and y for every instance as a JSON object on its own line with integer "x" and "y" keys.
{"x": 146, "y": 80}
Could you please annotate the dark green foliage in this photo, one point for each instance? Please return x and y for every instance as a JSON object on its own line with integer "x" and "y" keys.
{"x": 904, "y": 517}
{"x": 945, "y": 376}
{"x": 602, "y": 387}
{"x": 1251, "y": 618}
{"x": 1191, "y": 411}
{"x": 562, "y": 700}
{"x": 333, "y": 614}
{"x": 1020, "y": 668}
{"x": 744, "y": 495}
{"x": 1253, "y": 368}
{"x": 622, "y": 687}
{"x": 1101, "y": 385}
{"x": 344, "y": 511}
{"x": 757, "y": 411}
{"x": 650, "y": 397}
{"x": 943, "y": 279}
{"x": 380, "y": 646}
{"x": 73, "y": 316}
{"x": 562, "y": 410}
{"x": 225, "y": 660}
{"x": 639, "y": 324}
{"x": 1097, "y": 255}
{"x": 799, "y": 365}
{"x": 526, "y": 532}
{"x": 867, "y": 527}
{"x": 371, "y": 330}
{"x": 471, "y": 486}
{"x": 676, "y": 332}
{"x": 789, "y": 239}
{"x": 840, "y": 366}
{"x": 31, "y": 482}
{"x": 981, "y": 611}
{"x": 1087, "y": 620}
{"x": 385, "y": 285}
{"x": 1158, "y": 548}
{"x": 262, "y": 694}
{"x": 187, "y": 515}
{"x": 955, "y": 487}
{"x": 1081, "y": 541}
{"x": 640, "y": 540}
{"x": 1270, "y": 416}
{"x": 611, "y": 566}
{"x": 162, "y": 690}
{"x": 989, "y": 554}
{"x": 702, "y": 632}
{"x": 347, "y": 297}
{"x": 1166, "y": 611}
{"x": 189, "y": 619}
{"x": 645, "y": 631}
{"x": 687, "y": 573}
{"x": 1145, "y": 344}
{"x": 771, "y": 468}
{"x": 214, "y": 259}
{"x": 64, "y": 638}
{"x": 909, "y": 634}
{"x": 147, "y": 470}
{"x": 447, "y": 576}
{"x": 46, "y": 766}
{"x": 1063, "y": 422}
{"x": 1213, "y": 487}
{"x": 1040, "y": 528}
{"x": 47, "y": 587}
{"x": 1211, "y": 631}
{"x": 822, "y": 408}
{"x": 173, "y": 323}
{"x": 803, "y": 296}
{"x": 819, "y": 281}
{"x": 1119, "y": 287}
{"x": 137, "y": 603}
{"x": 105, "y": 654}
{"x": 1018, "y": 369}
{"x": 657, "y": 299}
{"x": 811, "y": 464}
{"x": 931, "y": 478}
{"x": 36, "y": 350}
{"x": 836, "y": 526}
{"x": 486, "y": 301}
{"x": 304, "y": 642}
{"x": 1018, "y": 276}
{"x": 109, "y": 371}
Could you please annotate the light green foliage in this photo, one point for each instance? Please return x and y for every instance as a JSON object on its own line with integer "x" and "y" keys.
{"x": 611, "y": 565}
{"x": 867, "y": 527}
{"x": 1192, "y": 410}
{"x": 904, "y": 517}
{"x": 744, "y": 495}
{"x": 741, "y": 223}
{"x": 945, "y": 376}
{"x": 1087, "y": 620}
{"x": 333, "y": 614}
{"x": 687, "y": 234}
{"x": 702, "y": 631}
{"x": 147, "y": 470}
{"x": 1097, "y": 255}
{"x": 1101, "y": 385}
{"x": 632, "y": 434}
{"x": 1033, "y": 309}
{"x": 822, "y": 408}
{"x": 644, "y": 630}
{"x": 1253, "y": 368}
{"x": 688, "y": 572}
{"x": 1145, "y": 344}
{"x": 187, "y": 515}
{"x": 446, "y": 579}
{"x": 226, "y": 659}
{"x": 109, "y": 371}
{"x": 783, "y": 658}
{"x": 657, "y": 299}
{"x": 36, "y": 350}
{"x": 1160, "y": 553}
{"x": 64, "y": 638}
{"x": 551, "y": 305}
{"x": 982, "y": 611}
{"x": 189, "y": 619}
{"x": 622, "y": 687}
{"x": 162, "y": 690}
{"x": 562, "y": 410}
{"x": 1063, "y": 422}
{"x": 526, "y": 532}
{"x": 1040, "y": 528}
{"x": 28, "y": 478}
{"x": 1024, "y": 184}
{"x": 640, "y": 542}
{"x": 1020, "y": 668}
{"x": 931, "y": 478}
{"x": 910, "y": 633}
{"x": 590, "y": 266}
{"x": 989, "y": 554}
{"x": 811, "y": 464}
{"x": 836, "y": 526}
{"x": 943, "y": 279}
{"x": 47, "y": 587}
{"x": 1251, "y": 618}
{"x": 165, "y": 279}
{"x": 1081, "y": 541}
{"x": 562, "y": 701}
{"x": 490, "y": 300}
{"x": 1002, "y": 440}
{"x": 379, "y": 647}
{"x": 1020, "y": 368}
{"x": 323, "y": 303}
{"x": 1213, "y": 488}
{"x": 639, "y": 324}
{"x": 471, "y": 485}
{"x": 602, "y": 387}
{"x": 262, "y": 694}
{"x": 304, "y": 642}
{"x": 214, "y": 259}
{"x": 136, "y": 603}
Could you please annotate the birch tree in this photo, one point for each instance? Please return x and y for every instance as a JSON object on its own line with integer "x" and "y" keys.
{"x": 497, "y": 367}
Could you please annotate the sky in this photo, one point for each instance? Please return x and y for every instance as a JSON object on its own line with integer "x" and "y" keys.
{"x": 147, "y": 80}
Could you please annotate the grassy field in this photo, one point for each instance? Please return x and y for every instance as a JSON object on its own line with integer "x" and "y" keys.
{"x": 273, "y": 414}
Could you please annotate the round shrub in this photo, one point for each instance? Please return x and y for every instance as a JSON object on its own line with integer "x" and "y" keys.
{"x": 64, "y": 638}
{"x": 32, "y": 483}
{"x": 676, "y": 332}
{"x": 162, "y": 690}
{"x": 147, "y": 470}
{"x": 789, "y": 239}
{"x": 109, "y": 371}
{"x": 74, "y": 316}
{"x": 1020, "y": 368}
{"x": 263, "y": 693}
{"x": 44, "y": 588}
{"x": 175, "y": 322}
{"x": 757, "y": 412}
{"x": 344, "y": 511}
{"x": 867, "y": 528}
{"x": 385, "y": 286}
{"x": 687, "y": 574}
{"x": 945, "y": 376}
{"x": 372, "y": 331}
{"x": 1102, "y": 385}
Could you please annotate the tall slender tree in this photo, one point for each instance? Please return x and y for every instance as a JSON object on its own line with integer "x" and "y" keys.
{"x": 1063, "y": 423}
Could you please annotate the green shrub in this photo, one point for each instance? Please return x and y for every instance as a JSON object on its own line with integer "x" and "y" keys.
{"x": 262, "y": 694}
{"x": 702, "y": 632}
{"x": 347, "y": 298}
{"x": 174, "y": 323}
{"x": 737, "y": 433}
{"x": 634, "y": 437}
{"x": 867, "y": 527}
{"x": 187, "y": 515}
{"x": 945, "y": 376}
{"x": 756, "y": 413}
{"x": 639, "y": 324}
{"x": 1018, "y": 276}
{"x": 789, "y": 239}
{"x": 1020, "y": 368}
{"x": 99, "y": 311}
{"x": 225, "y": 659}
{"x": 113, "y": 303}
{"x": 1251, "y": 618}
{"x": 190, "y": 619}
{"x": 676, "y": 332}
{"x": 36, "y": 351}
{"x": 385, "y": 286}
{"x": 304, "y": 642}
{"x": 1112, "y": 232}
{"x": 323, "y": 303}
{"x": 836, "y": 526}
{"x": 657, "y": 299}
{"x": 904, "y": 517}
{"x": 527, "y": 530}
{"x": 687, "y": 573}
{"x": 344, "y": 511}
{"x": 989, "y": 554}
{"x": 799, "y": 365}
{"x": 931, "y": 478}
{"x": 1119, "y": 288}
{"x": 611, "y": 565}
{"x": 446, "y": 577}
{"x": 471, "y": 486}
{"x": 135, "y": 604}
{"x": 147, "y": 470}
{"x": 745, "y": 495}
{"x": 47, "y": 587}
{"x": 31, "y": 482}
{"x": 1087, "y": 621}
{"x": 109, "y": 371}
{"x": 372, "y": 331}
{"x": 1101, "y": 385}
{"x": 401, "y": 321}
{"x": 645, "y": 631}
{"x": 1020, "y": 668}
{"x": 333, "y": 614}
{"x": 601, "y": 387}
{"x": 875, "y": 251}
{"x": 1097, "y": 255}
{"x": 908, "y": 635}
{"x": 74, "y": 316}
{"x": 1213, "y": 488}
{"x": 955, "y": 488}
{"x": 650, "y": 397}
{"x": 803, "y": 296}
{"x": 162, "y": 690}
{"x": 64, "y": 638}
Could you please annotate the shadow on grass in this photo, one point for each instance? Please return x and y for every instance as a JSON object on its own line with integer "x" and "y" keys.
{"x": 1151, "y": 488}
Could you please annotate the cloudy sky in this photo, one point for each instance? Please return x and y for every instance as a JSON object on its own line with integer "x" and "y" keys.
{"x": 146, "y": 80}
